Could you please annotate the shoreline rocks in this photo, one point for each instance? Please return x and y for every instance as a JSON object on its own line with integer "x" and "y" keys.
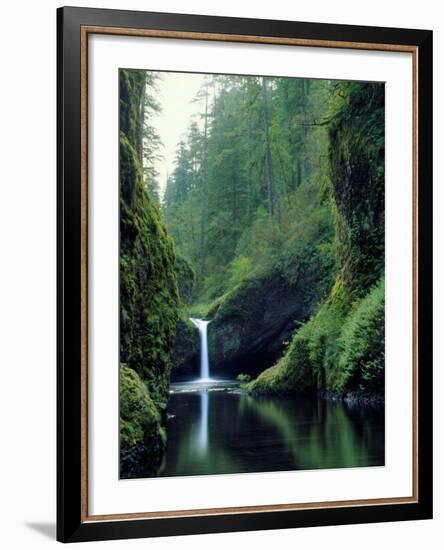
{"x": 355, "y": 398}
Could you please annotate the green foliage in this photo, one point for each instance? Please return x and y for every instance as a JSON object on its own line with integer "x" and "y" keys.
{"x": 217, "y": 199}
{"x": 186, "y": 347}
{"x": 243, "y": 378}
{"x": 341, "y": 348}
{"x": 323, "y": 330}
{"x": 356, "y": 156}
{"x": 318, "y": 147}
{"x": 186, "y": 278}
{"x": 312, "y": 351}
{"x": 240, "y": 268}
{"x": 292, "y": 373}
{"x": 138, "y": 413}
{"x": 362, "y": 345}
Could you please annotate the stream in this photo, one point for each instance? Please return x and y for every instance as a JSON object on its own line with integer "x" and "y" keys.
{"x": 219, "y": 429}
{"x": 215, "y": 427}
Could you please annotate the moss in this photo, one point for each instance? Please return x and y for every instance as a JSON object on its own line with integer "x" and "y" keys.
{"x": 142, "y": 437}
{"x": 207, "y": 310}
{"x": 292, "y": 373}
{"x": 185, "y": 358}
{"x": 186, "y": 278}
{"x": 356, "y": 158}
{"x": 341, "y": 348}
{"x": 361, "y": 344}
{"x": 149, "y": 299}
{"x": 323, "y": 331}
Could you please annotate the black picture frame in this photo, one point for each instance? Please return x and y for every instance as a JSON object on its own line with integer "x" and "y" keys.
{"x": 72, "y": 526}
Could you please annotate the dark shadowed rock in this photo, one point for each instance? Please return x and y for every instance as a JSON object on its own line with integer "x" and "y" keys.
{"x": 251, "y": 324}
{"x": 186, "y": 351}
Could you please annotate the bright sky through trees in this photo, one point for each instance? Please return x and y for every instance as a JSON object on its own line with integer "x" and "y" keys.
{"x": 176, "y": 94}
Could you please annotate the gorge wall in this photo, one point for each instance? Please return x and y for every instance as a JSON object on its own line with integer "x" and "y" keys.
{"x": 341, "y": 348}
{"x": 149, "y": 299}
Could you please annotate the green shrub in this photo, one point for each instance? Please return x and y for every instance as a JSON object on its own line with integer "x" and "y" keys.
{"x": 323, "y": 331}
{"x": 291, "y": 374}
{"x": 240, "y": 268}
{"x": 362, "y": 343}
{"x": 340, "y": 349}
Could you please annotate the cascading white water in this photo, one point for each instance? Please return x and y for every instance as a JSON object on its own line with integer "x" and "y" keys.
{"x": 204, "y": 361}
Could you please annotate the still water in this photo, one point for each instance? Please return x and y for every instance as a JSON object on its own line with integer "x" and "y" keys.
{"x": 218, "y": 429}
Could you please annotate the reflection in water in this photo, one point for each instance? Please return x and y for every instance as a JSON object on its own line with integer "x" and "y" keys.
{"x": 202, "y": 440}
{"x": 326, "y": 435}
{"x": 220, "y": 430}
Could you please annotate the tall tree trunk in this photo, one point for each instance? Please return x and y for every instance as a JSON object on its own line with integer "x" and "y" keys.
{"x": 141, "y": 122}
{"x": 298, "y": 173}
{"x": 203, "y": 189}
{"x": 269, "y": 167}
{"x": 305, "y": 91}
{"x": 250, "y": 171}
{"x": 235, "y": 203}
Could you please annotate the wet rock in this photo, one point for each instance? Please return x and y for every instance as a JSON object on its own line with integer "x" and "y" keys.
{"x": 186, "y": 352}
{"x": 252, "y": 323}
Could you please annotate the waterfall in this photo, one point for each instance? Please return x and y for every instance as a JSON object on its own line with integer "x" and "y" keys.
{"x": 204, "y": 362}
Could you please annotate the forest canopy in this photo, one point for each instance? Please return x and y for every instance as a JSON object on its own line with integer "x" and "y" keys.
{"x": 235, "y": 195}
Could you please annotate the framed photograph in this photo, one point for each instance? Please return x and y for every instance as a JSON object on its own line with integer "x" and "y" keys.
{"x": 244, "y": 274}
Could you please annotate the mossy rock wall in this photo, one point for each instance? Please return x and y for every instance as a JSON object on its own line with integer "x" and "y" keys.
{"x": 149, "y": 300}
{"x": 356, "y": 158}
{"x": 142, "y": 436}
{"x": 186, "y": 279}
{"x": 186, "y": 354}
{"x": 341, "y": 348}
{"x": 251, "y": 324}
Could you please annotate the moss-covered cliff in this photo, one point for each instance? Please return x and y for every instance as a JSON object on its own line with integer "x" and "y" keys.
{"x": 149, "y": 300}
{"x": 341, "y": 348}
{"x": 142, "y": 434}
{"x": 252, "y": 322}
{"x": 185, "y": 357}
{"x": 186, "y": 352}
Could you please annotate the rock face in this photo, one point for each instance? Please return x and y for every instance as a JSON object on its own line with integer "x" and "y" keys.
{"x": 142, "y": 437}
{"x": 357, "y": 171}
{"x": 340, "y": 350}
{"x": 252, "y": 323}
{"x": 149, "y": 299}
{"x": 186, "y": 352}
{"x": 185, "y": 358}
{"x": 186, "y": 278}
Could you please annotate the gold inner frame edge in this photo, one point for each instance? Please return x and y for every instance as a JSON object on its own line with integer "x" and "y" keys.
{"x": 153, "y": 33}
